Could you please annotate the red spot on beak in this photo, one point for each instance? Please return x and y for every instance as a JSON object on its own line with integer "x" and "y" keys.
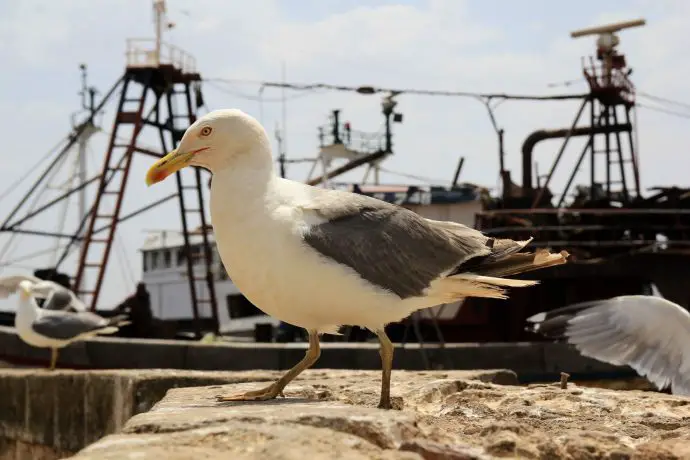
{"x": 159, "y": 176}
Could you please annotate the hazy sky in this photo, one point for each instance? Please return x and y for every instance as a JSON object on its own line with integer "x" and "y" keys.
{"x": 489, "y": 46}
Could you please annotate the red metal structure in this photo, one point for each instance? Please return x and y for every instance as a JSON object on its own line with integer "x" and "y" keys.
{"x": 620, "y": 241}
{"x": 159, "y": 91}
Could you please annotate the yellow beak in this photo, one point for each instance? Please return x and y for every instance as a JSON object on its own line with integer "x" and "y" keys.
{"x": 169, "y": 164}
{"x": 24, "y": 292}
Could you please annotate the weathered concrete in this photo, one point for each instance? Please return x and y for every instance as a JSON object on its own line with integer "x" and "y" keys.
{"x": 45, "y": 415}
{"x": 531, "y": 361}
{"x": 444, "y": 415}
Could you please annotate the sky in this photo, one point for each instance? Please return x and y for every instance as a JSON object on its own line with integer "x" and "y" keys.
{"x": 457, "y": 45}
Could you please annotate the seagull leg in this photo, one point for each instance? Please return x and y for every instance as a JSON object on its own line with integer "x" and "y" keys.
{"x": 276, "y": 388}
{"x": 53, "y": 358}
{"x": 386, "y": 353}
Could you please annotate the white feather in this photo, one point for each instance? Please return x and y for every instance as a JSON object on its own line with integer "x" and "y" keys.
{"x": 649, "y": 334}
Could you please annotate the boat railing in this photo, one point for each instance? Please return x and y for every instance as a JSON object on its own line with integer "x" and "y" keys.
{"x": 613, "y": 81}
{"x": 142, "y": 52}
{"x": 360, "y": 141}
{"x": 601, "y": 227}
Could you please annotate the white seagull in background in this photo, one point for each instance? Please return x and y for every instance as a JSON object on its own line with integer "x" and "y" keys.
{"x": 648, "y": 333}
{"x": 56, "y": 329}
{"x": 319, "y": 258}
{"x": 54, "y": 295}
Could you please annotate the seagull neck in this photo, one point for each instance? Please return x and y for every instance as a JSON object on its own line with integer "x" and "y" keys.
{"x": 27, "y": 309}
{"x": 242, "y": 186}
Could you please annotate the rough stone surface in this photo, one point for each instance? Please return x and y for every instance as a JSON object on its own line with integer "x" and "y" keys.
{"x": 441, "y": 415}
{"x": 46, "y": 415}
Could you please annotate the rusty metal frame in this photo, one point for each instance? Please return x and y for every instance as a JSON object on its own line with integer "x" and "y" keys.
{"x": 87, "y": 232}
{"x": 125, "y": 169}
{"x": 183, "y": 210}
{"x": 208, "y": 256}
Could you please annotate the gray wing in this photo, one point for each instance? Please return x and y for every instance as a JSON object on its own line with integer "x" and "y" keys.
{"x": 649, "y": 334}
{"x": 59, "y": 300}
{"x": 64, "y": 325}
{"x": 388, "y": 245}
{"x": 57, "y": 297}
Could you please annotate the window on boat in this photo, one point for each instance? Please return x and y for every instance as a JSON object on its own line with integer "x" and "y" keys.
{"x": 154, "y": 260}
{"x": 166, "y": 258}
{"x": 181, "y": 256}
{"x": 144, "y": 261}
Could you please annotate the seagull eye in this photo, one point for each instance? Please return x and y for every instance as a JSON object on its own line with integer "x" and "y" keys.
{"x": 205, "y": 131}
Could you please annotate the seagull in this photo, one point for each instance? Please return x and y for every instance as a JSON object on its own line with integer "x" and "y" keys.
{"x": 648, "y": 333}
{"x": 54, "y": 295}
{"x": 56, "y": 329}
{"x": 319, "y": 258}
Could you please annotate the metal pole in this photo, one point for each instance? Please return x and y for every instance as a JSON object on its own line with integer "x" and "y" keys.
{"x": 183, "y": 216}
{"x": 607, "y": 149}
{"x": 389, "y": 135}
{"x": 633, "y": 153}
{"x": 560, "y": 154}
{"x": 621, "y": 160}
{"x": 456, "y": 176}
{"x": 574, "y": 173}
{"x": 593, "y": 145}
{"x": 501, "y": 152}
{"x": 208, "y": 256}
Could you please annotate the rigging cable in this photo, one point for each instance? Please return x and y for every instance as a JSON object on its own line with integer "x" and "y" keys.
{"x": 125, "y": 262}
{"x": 258, "y": 98}
{"x": 30, "y": 170}
{"x": 7, "y": 247}
{"x": 663, "y": 99}
{"x": 663, "y": 110}
{"x": 30, "y": 256}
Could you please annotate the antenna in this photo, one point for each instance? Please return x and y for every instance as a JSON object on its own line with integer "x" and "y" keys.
{"x": 608, "y": 39}
{"x": 86, "y": 89}
{"x": 159, "y": 12}
{"x": 607, "y": 43}
{"x": 608, "y": 28}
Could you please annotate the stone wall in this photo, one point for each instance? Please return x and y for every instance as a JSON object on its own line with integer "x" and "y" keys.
{"x": 47, "y": 415}
{"x": 454, "y": 415}
{"x": 439, "y": 415}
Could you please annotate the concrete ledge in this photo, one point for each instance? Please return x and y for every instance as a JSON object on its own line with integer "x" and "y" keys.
{"x": 48, "y": 415}
{"x": 453, "y": 415}
{"x": 53, "y": 414}
{"x": 535, "y": 361}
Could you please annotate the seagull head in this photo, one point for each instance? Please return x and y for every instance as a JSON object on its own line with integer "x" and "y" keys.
{"x": 25, "y": 289}
{"x": 215, "y": 141}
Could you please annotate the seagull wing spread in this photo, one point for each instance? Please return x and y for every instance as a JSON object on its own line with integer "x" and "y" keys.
{"x": 649, "y": 334}
{"x": 10, "y": 284}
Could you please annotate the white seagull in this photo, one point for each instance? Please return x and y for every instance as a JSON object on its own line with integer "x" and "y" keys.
{"x": 648, "y": 333}
{"x": 320, "y": 259}
{"x": 54, "y": 295}
{"x": 56, "y": 329}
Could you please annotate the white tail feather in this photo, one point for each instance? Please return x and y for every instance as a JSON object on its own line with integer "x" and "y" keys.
{"x": 463, "y": 285}
{"x": 493, "y": 280}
